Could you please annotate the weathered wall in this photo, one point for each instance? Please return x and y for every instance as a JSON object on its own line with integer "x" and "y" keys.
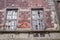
{"x": 24, "y": 8}
{"x": 24, "y": 11}
{"x": 28, "y": 37}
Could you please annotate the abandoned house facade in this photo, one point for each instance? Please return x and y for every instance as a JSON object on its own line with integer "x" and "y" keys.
{"x": 29, "y": 15}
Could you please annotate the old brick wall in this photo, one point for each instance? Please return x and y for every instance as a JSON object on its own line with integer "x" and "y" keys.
{"x": 24, "y": 7}
{"x": 24, "y": 17}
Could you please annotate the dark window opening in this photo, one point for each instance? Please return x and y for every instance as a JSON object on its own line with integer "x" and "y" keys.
{"x": 36, "y": 35}
{"x": 36, "y": 27}
{"x": 42, "y": 35}
{"x": 58, "y": 1}
{"x": 38, "y": 13}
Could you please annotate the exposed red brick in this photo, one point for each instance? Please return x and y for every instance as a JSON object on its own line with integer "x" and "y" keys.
{"x": 25, "y": 4}
{"x": 11, "y": 3}
{"x": 2, "y": 4}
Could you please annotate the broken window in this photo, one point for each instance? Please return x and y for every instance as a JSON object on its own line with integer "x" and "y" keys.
{"x": 38, "y": 23}
{"x": 38, "y": 19}
{"x": 11, "y": 19}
